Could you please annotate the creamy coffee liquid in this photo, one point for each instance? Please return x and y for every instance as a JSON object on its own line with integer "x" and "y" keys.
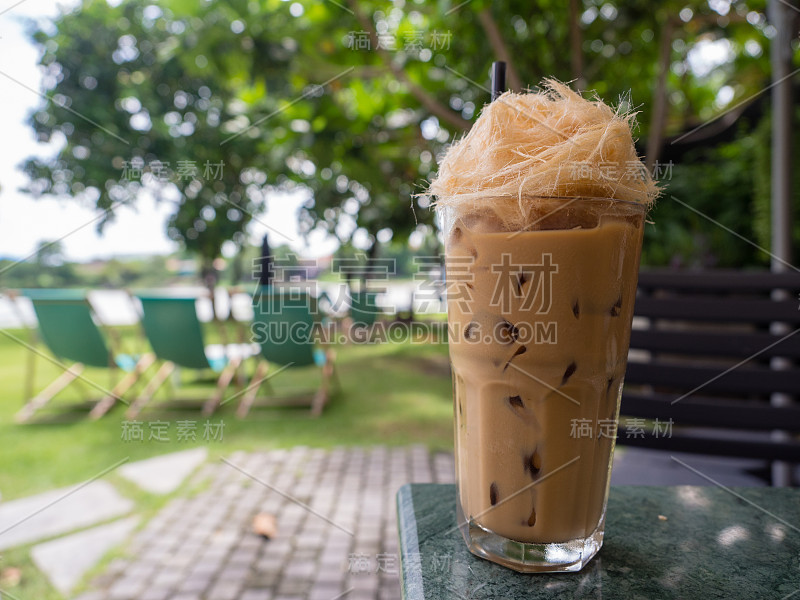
{"x": 539, "y": 329}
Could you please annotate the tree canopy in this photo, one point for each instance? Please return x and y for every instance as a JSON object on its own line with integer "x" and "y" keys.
{"x": 213, "y": 105}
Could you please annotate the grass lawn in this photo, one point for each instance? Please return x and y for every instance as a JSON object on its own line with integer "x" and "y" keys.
{"x": 391, "y": 393}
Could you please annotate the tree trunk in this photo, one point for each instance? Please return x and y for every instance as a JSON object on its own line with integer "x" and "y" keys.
{"x": 210, "y": 279}
{"x": 237, "y": 272}
{"x": 369, "y": 269}
{"x": 576, "y": 45}
{"x": 658, "y": 120}
{"x": 499, "y": 47}
{"x": 209, "y": 275}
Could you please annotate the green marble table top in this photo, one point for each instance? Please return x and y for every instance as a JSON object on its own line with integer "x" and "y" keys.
{"x": 713, "y": 543}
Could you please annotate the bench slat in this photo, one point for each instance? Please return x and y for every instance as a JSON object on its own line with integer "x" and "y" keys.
{"x": 692, "y": 343}
{"x": 741, "y": 381}
{"x": 718, "y": 310}
{"x": 701, "y": 444}
{"x": 735, "y": 414}
{"x": 733, "y": 424}
{"x": 719, "y": 281}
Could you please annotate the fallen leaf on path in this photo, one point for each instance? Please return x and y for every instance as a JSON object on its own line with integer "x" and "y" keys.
{"x": 265, "y": 525}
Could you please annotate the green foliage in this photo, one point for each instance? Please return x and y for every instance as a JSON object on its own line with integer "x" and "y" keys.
{"x": 729, "y": 184}
{"x": 30, "y": 274}
{"x": 138, "y": 111}
{"x": 718, "y": 184}
{"x": 762, "y": 184}
{"x": 300, "y": 95}
{"x": 115, "y": 273}
{"x": 47, "y": 269}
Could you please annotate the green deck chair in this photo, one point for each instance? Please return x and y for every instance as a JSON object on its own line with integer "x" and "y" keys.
{"x": 67, "y": 327}
{"x": 364, "y": 309}
{"x": 286, "y": 327}
{"x": 174, "y": 331}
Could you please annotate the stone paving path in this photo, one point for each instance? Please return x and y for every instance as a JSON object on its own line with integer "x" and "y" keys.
{"x": 66, "y": 560}
{"x": 337, "y": 532}
{"x": 59, "y": 511}
{"x": 163, "y": 474}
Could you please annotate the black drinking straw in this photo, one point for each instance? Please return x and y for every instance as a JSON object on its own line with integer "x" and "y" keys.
{"x": 498, "y": 79}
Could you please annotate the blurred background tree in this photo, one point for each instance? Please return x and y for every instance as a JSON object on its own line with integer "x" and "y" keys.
{"x": 351, "y": 102}
{"x": 47, "y": 268}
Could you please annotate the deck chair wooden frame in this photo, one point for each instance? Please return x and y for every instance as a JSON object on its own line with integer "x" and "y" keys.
{"x": 172, "y": 327}
{"x": 68, "y": 327}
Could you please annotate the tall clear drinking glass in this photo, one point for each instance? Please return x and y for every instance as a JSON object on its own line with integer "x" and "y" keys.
{"x": 539, "y": 324}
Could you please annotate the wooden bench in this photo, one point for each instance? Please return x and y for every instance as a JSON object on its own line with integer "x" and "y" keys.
{"x": 714, "y": 355}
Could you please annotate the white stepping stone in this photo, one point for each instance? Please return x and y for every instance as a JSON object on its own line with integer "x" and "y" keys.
{"x": 163, "y": 474}
{"x": 66, "y": 560}
{"x": 59, "y": 511}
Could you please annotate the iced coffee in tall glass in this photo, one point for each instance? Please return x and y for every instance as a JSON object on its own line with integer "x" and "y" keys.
{"x": 542, "y": 205}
